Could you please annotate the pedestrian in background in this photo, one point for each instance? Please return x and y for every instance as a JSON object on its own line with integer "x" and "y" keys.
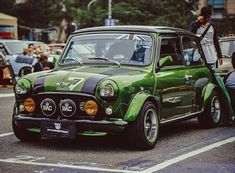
{"x": 46, "y": 64}
{"x": 208, "y": 37}
{"x": 39, "y": 65}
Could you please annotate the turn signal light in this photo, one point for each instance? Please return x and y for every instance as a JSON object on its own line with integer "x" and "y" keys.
{"x": 29, "y": 105}
{"x": 91, "y": 107}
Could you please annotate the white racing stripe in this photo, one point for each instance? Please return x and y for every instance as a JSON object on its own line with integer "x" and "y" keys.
{"x": 66, "y": 166}
{"x": 187, "y": 155}
{"x": 6, "y": 134}
{"x": 6, "y": 95}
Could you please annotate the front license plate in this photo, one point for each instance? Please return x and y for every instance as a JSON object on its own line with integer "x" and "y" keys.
{"x": 58, "y": 129}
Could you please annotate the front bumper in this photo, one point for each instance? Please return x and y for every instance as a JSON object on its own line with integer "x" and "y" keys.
{"x": 108, "y": 125}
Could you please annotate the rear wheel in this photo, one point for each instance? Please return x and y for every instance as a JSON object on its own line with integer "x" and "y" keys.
{"x": 212, "y": 115}
{"x": 143, "y": 133}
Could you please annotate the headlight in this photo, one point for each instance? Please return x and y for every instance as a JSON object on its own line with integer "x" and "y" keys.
{"x": 23, "y": 86}
{"x": 107, "y": 91}
{"x": 19, "y": 89}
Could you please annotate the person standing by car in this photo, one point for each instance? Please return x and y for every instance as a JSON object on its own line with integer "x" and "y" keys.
{"x": 208, "y": 37}
{"x": 39, "y": 65}
{"x": 46, "y": 64}
{"x": 229, "y": 81}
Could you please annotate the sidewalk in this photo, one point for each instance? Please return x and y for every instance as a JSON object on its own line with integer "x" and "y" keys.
{"x": 6, "y": 89}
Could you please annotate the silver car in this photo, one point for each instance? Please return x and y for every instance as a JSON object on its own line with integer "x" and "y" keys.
{"x": 227, "y": 45}
{"x": 13, "y": 50}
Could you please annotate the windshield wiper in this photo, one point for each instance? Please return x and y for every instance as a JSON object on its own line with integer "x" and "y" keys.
{"x": 72, "y": 59}
{"x": 106, "y": 59}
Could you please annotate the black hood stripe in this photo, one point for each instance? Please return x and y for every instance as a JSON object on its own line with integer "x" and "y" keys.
{"x": 91, "y": 83}
{"x": 39, "y": 85}
{"x": 117, "y": 71}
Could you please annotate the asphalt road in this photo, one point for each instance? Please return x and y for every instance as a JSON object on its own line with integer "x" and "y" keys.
{"x": 182, "y": 148}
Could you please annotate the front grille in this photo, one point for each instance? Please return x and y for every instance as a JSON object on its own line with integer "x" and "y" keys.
{"x": 58, "y": 98}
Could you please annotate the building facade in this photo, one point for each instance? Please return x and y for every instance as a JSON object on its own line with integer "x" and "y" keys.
{"x": 221, "y": 8}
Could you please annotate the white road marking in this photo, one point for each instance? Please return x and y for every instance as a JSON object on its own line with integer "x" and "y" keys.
{"x": 148, "y": 170}
{"x": 6, "y": 134}
{"x": 6, "y": 95}
{"x": 187, "y": 155}
{"x": 65, "y": 166}
{"x": 26, "y": 158}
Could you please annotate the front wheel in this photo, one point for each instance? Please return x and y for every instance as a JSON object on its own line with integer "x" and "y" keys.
{"x": 212, "y": 115}
{"x": 143, "y": 133}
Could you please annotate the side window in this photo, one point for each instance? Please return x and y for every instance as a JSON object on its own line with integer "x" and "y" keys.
{"x": 170, "y": 47}
{"x": 192, "y": 53}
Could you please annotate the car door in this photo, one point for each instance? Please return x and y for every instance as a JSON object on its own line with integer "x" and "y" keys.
{"x": 173, "y": 83}
{"x": 195, "y": 67}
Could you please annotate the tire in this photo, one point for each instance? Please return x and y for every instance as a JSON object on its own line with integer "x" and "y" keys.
{"x": 211, "y": 117}
{"x": 21, "y": 133}
{"x": 25, "y": 71}
{"x": 143, "y": 132}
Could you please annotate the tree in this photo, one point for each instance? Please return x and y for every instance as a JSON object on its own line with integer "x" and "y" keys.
{"x": 144, "y": 12}
{"x": 34, "y": 13}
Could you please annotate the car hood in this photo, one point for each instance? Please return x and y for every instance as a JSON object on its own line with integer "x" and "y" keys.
{"x": 82, "y": 79}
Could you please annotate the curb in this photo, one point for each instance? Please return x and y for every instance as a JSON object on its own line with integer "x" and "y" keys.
{"x": 6, "y": 86}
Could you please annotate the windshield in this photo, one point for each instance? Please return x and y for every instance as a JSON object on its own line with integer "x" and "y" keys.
{"x": 16, "y": 47}
{"x": 227, "y": 47}
{"x": 129, "y": 49}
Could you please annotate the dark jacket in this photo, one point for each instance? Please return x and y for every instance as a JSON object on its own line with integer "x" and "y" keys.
{"x": 194, "y": 27}
{"x": 38, "y": 67}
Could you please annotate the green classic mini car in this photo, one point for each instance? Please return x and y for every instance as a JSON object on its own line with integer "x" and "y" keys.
{"x": 120, "y": 79}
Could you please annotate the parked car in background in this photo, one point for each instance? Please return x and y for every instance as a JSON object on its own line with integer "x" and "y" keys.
{"x": 227, "y": 45}
{"x": 129, "y": 79}
{"x": 56, "y": 48}
{"x": 13, "y": 50}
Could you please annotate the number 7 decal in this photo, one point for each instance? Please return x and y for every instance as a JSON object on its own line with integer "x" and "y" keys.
{"x": 76, "y": 82}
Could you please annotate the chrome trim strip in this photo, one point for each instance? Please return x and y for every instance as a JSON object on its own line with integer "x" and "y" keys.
{"x": 180, "y": 117}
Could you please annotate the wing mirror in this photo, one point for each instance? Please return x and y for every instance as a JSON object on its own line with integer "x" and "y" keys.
{"x": 164, "y": 61}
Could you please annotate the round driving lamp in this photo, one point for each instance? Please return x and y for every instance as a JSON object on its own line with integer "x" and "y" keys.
{"x": 91, "y": 107}
{"x": 29, "y": 105}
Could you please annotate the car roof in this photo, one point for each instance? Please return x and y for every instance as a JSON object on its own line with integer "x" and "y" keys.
{"x": 56, "y": 44}
{"x": 9, "y": 40}
{"x": 35, "y": 42}
{"x": 227, "y": 38}
{"x": 158, "y": 29}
